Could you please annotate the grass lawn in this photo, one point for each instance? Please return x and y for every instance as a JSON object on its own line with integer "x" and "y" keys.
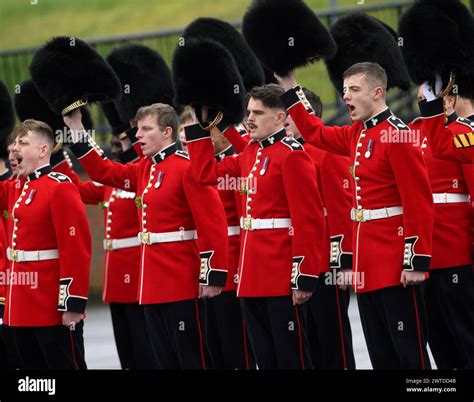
{"x": 31, "y": 22}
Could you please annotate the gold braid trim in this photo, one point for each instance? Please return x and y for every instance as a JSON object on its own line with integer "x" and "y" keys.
{"x": 73, "y": 106}
{"x": 214, "y": 123}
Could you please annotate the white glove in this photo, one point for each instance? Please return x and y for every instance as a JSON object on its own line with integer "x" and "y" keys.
{"x": 428, "y": 92}
{"x": 438, "y": 84}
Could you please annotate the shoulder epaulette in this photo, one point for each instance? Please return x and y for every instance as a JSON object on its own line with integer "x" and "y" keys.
{"x": 59, "y": 177}
{"x": 466, "y": 122}
{"x": 292, "y": 144}
{"x": 397, "y": 123}
{"x": 182, "y": 154}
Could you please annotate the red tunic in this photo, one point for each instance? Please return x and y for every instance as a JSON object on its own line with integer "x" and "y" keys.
{"x": 230, "y": 200}
{"x": 121, "y": 266}
{"x": 452, "y": 221}
{"x": 170, "y": 201}
{"x": 388, "y": 171}
{"x": 334, "y": 183}
{"x": 279, "y": 183}
{"x": 47, "y": 214}
{"x": 443, "y": 142}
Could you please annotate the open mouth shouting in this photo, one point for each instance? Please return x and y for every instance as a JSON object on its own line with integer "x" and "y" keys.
{"x": 18, "y": 160}
{"x": 351, "y": 109}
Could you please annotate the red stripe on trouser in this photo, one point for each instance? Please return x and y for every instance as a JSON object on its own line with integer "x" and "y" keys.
{"x": 201, "y": 346}
{"x": 71, "y": 337}
{"x": 418, "y": 328}
{"x": 244, "y": 333}
{"x": 340, "y": 327}
{"x": 299, "y": 336}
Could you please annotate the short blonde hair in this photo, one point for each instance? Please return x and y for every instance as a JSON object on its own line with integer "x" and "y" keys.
{"x": 36, "y": 126}
{"x": 166, "y": 116}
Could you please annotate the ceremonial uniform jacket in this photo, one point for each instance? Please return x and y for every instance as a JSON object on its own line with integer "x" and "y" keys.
{"x": 388, "y": 171}
{"x": 230, "y": 200}
{"x": 170, "y": 200}
{"x": 443, "y": 142}
{"x": 452, "y": 221}
{"x": 47, "y": 214}
{"x": 334, "y": 184}
{"x": 121, "y": 266}
{"x": 3, "y": 243}
{"x": 278, "y": 180}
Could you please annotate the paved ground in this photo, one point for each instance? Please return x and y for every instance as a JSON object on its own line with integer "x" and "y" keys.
{"x": 102, "y": 354}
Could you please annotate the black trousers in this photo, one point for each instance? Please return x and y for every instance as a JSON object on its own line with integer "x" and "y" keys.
{"x": 8, "y": 354}
{"x": 54, "y": 347}
{"x": 329, "y": 328}
{"x": 227, "y": 333}
{"x": 178, "y": 334}
{"x": 131, "y": 336}
{"x": 394, "y": 324}
{"x": 278, "y": 332}
{"x": 450, "y": 307}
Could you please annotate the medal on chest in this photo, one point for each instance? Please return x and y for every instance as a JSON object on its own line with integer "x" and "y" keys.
{"x": 370, "y": 148}
{"x": 159, "y": 179}
{"x": 29, "y": 199}
{"x": 266, "y": 161}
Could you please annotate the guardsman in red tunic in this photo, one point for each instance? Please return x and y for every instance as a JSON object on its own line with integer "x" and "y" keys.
{"x": 121, "y": 265}
{"x": 283, "y": 228}
{"x": 444, "y": 143}
{"x": 8, "y": 356}
{"x": 449, "y": 289}
{"x": 182, "y": 258}
{"x": 49, "y": 253}
{"x": 391, "y": 237}
{"x": 329, "y": 328}
{"x": 227, "y": 333}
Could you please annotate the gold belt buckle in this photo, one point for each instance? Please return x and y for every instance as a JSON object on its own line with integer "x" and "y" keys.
{"x": 247, "y": 224}
{"x": 14, "y": 255}
{"x": 108, "y": 244}
{"x": 145, "y": 238}
{"x": 359, "y": 216}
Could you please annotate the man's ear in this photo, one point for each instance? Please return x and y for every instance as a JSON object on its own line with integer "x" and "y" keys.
{"x": 281, "y": 117}
{"x": 45, "y": 150}
{"x": 168, "y": 132}
{"x": 379, "y": 93}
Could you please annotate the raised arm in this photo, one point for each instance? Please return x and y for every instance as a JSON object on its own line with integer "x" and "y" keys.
{"x": 89, "y": 154}
{"x": 201, "y": 152}
{"x": 443, "y": 143}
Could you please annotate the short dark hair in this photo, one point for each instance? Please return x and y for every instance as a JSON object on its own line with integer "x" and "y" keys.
{"x": 315, "y": 101}
{"x": 36, "y": 126}
{"x": 269, "y": 95}
{"x": 374, "y": 73}
{"x": 165, "y": 116}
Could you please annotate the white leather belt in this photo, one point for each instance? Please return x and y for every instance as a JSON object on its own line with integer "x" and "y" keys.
{"x": 39, "y": 255}
{"x": 364, "y": 215}
{"x": 233, "y": 230}
{"x": 447, "y": 198}
{"x": 259, "y": 224}
{"x": 166, "y": 237}
{"x": 117, "y": 244}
